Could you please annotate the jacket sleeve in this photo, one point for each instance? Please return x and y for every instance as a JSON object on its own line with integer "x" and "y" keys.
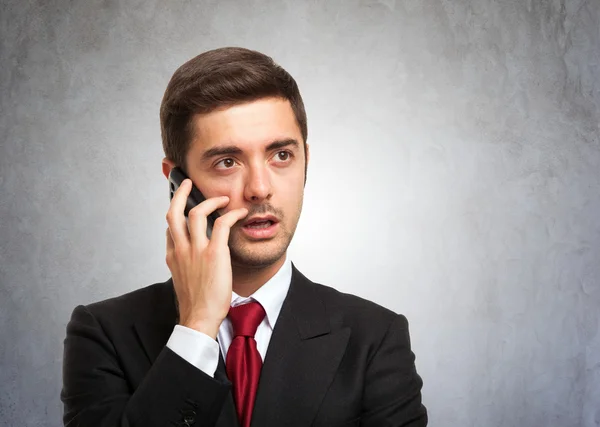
{"x": 96, "y": 393}
{"x": 392, "y": 393}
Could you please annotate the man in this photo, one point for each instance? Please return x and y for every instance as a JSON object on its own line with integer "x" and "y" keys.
{"x": 190, "y": 351}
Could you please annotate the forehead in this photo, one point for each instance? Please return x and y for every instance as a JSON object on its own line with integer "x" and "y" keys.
{"x": 247, "y": 125}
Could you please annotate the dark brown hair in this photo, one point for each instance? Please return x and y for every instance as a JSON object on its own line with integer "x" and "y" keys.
{"x": 220, "y": 78}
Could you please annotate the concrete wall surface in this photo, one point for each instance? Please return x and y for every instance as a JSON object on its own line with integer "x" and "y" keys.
{"x": 454, "y": 178}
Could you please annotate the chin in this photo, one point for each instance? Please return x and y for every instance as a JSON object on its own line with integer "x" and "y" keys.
{"x": 259, "y": 253}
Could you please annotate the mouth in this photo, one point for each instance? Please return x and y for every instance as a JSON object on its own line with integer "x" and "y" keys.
{"x": 260, "y": 222}
{"x": 260, "y": 227}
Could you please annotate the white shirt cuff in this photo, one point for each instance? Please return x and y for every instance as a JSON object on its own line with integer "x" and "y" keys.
{"x": 195, "y": 347}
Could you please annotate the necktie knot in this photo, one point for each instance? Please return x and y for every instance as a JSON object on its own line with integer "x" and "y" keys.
{"x": 246, "y": 318}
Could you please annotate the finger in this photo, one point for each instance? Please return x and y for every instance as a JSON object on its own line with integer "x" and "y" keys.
{"x": 170, "y": 249}
{"x": 175, "y": 214}
{"x": 170, "y": 244}
{"x": 197, "y": 219}
{"x": 222, "y": 228}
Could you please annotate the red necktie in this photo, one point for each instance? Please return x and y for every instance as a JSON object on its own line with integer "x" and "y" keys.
{"x": 243, "y": 362}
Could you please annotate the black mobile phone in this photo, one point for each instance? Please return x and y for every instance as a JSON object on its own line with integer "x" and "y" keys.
{"x": 176, "y": 177}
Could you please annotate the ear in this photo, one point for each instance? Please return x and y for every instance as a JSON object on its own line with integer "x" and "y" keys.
{"x": 307, "y": 152}
{"x": 167, "y": 165}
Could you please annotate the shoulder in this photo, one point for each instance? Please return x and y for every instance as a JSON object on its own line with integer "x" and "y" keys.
{"x": 344, "y": 310}
{"x": 353, "y": 307}
{"x": 349, "y": 301}
{"x": 140, "y": 303}
{"x": 370, "y": 324}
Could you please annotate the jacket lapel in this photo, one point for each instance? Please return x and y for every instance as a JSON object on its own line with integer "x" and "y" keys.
{"x": 301, "y": 361}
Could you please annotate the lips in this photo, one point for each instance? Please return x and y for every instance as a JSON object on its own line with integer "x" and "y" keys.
{"x": 259, "y": 224}
{"x": 260, "y": 221}
{"x": 260, "y": 228}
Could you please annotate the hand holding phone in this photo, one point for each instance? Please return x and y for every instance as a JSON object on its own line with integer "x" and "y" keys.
{"x": 200, "y": 267}
{"x": 176, "y": 177}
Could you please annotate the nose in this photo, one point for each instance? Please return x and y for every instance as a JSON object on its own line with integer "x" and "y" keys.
{"x": 258, "y": 184}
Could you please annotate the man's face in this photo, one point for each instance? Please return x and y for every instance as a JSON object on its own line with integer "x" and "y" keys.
{"x": 253, "y": 153}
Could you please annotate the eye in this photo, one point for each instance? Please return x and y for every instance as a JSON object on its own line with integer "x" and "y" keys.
{"x": 283, "y": 156}
{"x": 227, "y": 163}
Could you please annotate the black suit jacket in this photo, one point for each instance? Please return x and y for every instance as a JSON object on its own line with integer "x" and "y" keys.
{"x": 333, "y": 360}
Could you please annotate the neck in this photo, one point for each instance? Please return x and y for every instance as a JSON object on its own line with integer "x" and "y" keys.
{"x": 247, "y": 280}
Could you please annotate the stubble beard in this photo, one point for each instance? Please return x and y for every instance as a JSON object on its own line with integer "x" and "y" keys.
{"x": 262, "y": 253}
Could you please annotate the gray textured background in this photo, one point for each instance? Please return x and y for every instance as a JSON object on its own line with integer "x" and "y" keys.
{"x": 455, "y": 178}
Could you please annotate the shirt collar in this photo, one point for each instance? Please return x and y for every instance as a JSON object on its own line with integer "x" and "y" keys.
{"x": 270, "y": 295}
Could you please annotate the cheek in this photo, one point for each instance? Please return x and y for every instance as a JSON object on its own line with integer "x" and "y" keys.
{"x": 292, "y": 198}
{"x": 230, "y": 188}
{"x": 235, "y": 192}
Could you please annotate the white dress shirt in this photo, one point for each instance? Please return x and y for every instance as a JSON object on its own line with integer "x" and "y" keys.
{"x": 203, "y": 352}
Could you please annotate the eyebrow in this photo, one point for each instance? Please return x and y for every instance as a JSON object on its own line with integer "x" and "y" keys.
{"x": 232, "y": 149}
